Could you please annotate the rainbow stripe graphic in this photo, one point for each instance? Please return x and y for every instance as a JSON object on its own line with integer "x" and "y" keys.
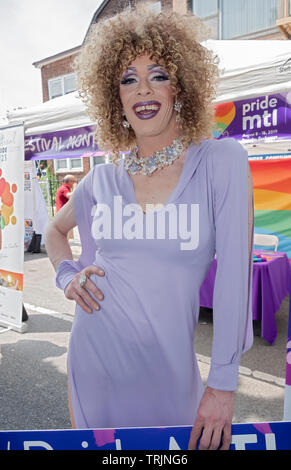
{"x": 272, "y": 199}
{"x": 224, "y": 115}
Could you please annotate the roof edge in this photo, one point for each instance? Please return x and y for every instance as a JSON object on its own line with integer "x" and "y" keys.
{"x": 40, "y": 63}
{"x": 95, "y": 16}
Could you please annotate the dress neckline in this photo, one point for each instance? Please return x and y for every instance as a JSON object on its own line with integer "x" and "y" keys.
{"x": 173, "y": 193}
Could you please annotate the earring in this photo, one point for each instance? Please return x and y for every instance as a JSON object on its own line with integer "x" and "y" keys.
{"x": 178, "y": 106}
{"x": 125, "y": 123}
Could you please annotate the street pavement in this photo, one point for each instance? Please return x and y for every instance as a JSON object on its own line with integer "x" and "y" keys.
{"x": 33, "y": 382}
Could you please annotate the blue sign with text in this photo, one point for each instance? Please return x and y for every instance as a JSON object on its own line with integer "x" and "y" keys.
{"x": 255, "y": 436}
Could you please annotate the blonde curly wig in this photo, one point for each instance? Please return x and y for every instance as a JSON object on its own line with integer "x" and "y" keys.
{"x": 169, "y": 38}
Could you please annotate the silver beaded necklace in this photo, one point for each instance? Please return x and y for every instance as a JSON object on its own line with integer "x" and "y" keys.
{"x": 147, "y": 166}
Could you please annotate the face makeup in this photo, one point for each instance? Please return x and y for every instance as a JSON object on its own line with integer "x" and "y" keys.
{"x": 147, "y": 99}
{"x": 147, "y": 109}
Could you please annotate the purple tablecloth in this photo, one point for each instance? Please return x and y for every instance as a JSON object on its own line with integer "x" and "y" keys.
{"x": 271, "y": 284}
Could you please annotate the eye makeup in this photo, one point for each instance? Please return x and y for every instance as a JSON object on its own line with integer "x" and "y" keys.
{"x": 154, "y": 75}
{"x": 161, "y": 75}
{"x": 130, "y": 75}
{"x": 127, "y": 78}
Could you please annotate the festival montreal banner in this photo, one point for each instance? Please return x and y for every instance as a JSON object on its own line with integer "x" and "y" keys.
{"x": 62, "y": 144}
{"x": 250, "y": 436}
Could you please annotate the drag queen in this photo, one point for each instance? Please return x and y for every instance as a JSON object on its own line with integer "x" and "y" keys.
{"x": 150, "y": 223}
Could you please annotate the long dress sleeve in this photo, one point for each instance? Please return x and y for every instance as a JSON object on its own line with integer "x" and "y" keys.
{"x": 83, "y": 198}
{"x": 232, "y": 297}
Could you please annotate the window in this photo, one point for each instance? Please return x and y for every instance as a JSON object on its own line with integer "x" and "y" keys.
{"x": 98, "y": 160}
{"x": 76, "y": 163}
{"x": 60, "y": 86}
{"x": 156, "y": 7}
{"x": 55, "y": 88}
{"x": 106, "y": 158}
{"x": 208, "y": 10}
{"x": 63, "y": 165}
{"x": 230, "y": 19}
{"x": 205, "y": 8}
{"x": 244, "y": 17}
{"x": 69, "y": 83}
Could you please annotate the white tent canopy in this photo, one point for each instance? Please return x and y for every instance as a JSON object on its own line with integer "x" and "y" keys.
{"x": 64, "y": 112}
{"x": 248, "y": 68}
{"x": 252, "y": 68}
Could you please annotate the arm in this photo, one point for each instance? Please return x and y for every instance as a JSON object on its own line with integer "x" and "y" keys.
{"x": 69, "y": 271}
{"x": 56, "y": 241}
{"x": 232, "y": 302}
{"x": 232, "y": 296}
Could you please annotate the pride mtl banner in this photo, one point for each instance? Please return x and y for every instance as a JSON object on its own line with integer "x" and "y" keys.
{"x": 264, "y": 117}
{"x": 12, "y": 226}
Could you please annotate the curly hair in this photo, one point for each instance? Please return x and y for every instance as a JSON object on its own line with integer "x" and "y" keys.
{"x": 171, "y": 39}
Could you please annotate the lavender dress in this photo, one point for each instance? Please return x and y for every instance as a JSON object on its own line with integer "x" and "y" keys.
{"x": 132, "y": 363}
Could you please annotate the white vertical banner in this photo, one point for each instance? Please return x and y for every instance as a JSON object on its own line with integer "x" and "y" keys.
{"x": 12, "y": 226}
{"x": 35, "y": 212}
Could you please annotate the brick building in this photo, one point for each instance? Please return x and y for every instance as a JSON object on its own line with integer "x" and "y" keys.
{"x": 242, "y": 19}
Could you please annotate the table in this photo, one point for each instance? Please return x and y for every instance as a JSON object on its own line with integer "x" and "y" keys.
{"x": 271, "y": 284}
